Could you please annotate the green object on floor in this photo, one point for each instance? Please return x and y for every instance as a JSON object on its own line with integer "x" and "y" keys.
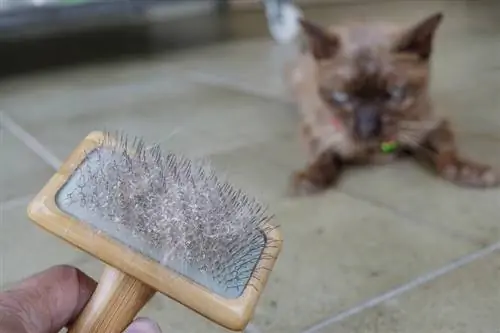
{"x": 389, "y": 146}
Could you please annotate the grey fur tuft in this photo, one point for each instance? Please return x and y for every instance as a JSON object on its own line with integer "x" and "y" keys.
{"x": 180, "y": 207}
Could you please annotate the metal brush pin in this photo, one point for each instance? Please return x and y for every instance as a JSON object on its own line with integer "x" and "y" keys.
{"x": 161, "y": 222}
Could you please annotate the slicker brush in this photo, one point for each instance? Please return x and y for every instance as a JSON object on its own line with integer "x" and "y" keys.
{"x": 161, "y": 223}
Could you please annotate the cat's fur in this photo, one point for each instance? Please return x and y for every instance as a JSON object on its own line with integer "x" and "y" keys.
{"x": 360, "y": 85}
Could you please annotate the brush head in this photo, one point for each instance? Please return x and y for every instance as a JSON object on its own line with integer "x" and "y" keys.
{"x": 172, "y": 209}
{"x": 183, "y": 224}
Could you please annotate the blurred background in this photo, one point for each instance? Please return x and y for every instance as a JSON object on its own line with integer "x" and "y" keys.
{"x": 391, "y": 249}
{"x": 65, "y": 32}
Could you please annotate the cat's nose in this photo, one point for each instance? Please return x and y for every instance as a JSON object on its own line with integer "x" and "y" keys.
{"x": 367, "y": 122}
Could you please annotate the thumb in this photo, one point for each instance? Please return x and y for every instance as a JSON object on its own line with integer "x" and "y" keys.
{"x": 143, "y": 325}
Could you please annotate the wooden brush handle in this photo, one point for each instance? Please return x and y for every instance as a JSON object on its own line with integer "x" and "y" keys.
{"x": 113, "y": 306}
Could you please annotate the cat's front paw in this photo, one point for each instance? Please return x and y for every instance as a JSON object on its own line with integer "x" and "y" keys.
{"x": 307, "y": 182}
{"x": 302, "y": 185}
{"x": 470, "y": 174}
{"x": 317, "y": 176}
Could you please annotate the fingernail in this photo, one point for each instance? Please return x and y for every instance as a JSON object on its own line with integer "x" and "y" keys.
{"x": 143, "y": 325}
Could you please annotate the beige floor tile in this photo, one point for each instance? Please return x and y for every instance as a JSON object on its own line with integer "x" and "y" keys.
{"x": 188, "y": 117}
{"x": 475, "y": 63}
{"x": 26, "y": 249}
{"x": 412, "y": 190}
{"x": 255, "y": 66}
{"x": 469, "y": 98}
{"x": 339, "y": 251}
{"x": 262, "y": 170}
{"x": 22, "y": 172}
{"x": 85, "y": 90}
{"x": 465, "y": 300}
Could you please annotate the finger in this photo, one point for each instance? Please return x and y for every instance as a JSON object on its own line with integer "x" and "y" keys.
{"x": 143, "y": 325}
{"x": 48, "y": 301}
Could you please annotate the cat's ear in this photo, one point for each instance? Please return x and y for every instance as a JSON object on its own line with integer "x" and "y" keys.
{"x": 323, "y": 44}
{"x": 419, "y": 38}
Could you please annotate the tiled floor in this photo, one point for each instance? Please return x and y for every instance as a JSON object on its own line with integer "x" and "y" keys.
{"x": 391, "y": 250}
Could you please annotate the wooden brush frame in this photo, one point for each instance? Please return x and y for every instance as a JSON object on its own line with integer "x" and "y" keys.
{"x": 132, "y": 279}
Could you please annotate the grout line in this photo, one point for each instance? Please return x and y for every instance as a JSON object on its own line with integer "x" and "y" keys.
{"x": 30, "y": 141}
{"x": 252, "y": 328}
{"x": 227, "y": 83}
{"x": 423, "y": 279}
{"x": 12, "y": 203}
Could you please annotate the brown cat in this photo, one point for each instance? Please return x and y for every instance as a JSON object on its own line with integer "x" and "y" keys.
{"x": 362, "y": 92}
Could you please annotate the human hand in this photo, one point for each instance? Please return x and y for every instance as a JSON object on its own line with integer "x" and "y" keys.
{"x": 50, "y": 300}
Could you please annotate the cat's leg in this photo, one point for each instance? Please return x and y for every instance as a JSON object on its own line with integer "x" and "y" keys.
{"x": 440, "y": 149}
{"x": 319, "y": 175}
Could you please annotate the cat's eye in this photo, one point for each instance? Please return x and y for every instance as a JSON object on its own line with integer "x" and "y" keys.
{"x": 340, "y": 97}
{"x": 397, "y": 93}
